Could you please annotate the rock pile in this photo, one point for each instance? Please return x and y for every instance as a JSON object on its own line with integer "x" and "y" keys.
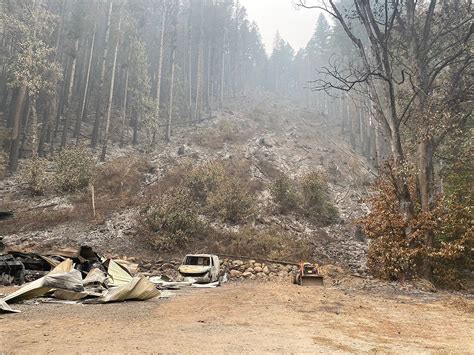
{"x": 252, "y": 270}
{"x": 235, "y": 269}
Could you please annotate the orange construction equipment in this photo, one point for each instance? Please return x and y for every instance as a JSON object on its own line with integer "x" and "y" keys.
{"x": 308, "y": 275}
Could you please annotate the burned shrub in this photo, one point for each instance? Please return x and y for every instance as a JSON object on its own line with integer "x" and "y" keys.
{"x": 34, "y": 177}
{"x": 75, "y": 169}
{"x": 121, "y": 175}
{"x": 225, "y": 131}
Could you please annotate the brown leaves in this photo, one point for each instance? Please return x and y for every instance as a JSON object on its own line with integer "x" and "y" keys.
{"x": 399, "y": 244}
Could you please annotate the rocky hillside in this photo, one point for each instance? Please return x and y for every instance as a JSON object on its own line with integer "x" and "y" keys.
{"x": 270, "y": 136}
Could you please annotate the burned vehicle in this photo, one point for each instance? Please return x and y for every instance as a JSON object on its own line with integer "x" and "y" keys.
{"x": 204, "y": 268}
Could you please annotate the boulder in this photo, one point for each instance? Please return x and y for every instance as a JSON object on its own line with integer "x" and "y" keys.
{"x": 266, "y": 270}
{"x": 247, "y": 274}
{"x": 257, "y": 269}
{"x": 235, "y": 274}
{"x": 266, "y": 142}
{"x": 331, "y": 270}
{"x": 182, "y": 150}
{"x": 257, "y": 265}
{"x": 167, "y": 266}
{"x": 238, "y": 262}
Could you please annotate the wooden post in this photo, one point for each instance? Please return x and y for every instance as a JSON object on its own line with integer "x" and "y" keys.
{"x": 93, "y": 200}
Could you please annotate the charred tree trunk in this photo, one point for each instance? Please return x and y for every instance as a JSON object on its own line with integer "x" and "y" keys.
{"x": 111, "y": 95}
{"x": 98, "y": 109}
{"x": 159, "y": 75}
{"x": 82, "y": 111}
{"x": 16, "y": 129}
{"x": 125, "y": 99}
{"x": 69, "y": 93}
{"x": 170, "y": 105}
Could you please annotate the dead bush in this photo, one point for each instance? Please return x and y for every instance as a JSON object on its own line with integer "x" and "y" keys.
{"x": 75, "y": 169}
{"x": 34, "y": 177}
{"x": 121, "y": 175}
{"x": 241, "y": 170}
{"x": 225, "y": 131}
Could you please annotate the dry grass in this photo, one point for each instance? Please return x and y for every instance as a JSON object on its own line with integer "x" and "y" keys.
{"x": 36, "y": 220}
{"x": 117, "y": 184}
{"x": 121, "y": 175}
{"x": 270, "y": 242}
{"x": 214, "y": 138}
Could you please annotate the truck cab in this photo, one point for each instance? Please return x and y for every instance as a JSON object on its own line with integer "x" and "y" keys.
{"x": 204, "y": 268}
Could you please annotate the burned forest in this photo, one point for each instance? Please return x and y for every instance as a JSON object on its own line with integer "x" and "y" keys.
{"x": 265, "y": 176}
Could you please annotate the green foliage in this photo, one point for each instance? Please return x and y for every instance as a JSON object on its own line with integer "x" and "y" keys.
{"x": 33, "y": 175}
{"x": 317, "y": 204}
{"x": 204, "y": 179}
{"x": 308, "y": 196}
{"x": 270, "y": 243}
{"x": 30, "y": 63}
{"x": 285, "y": 193}
{"x": 3, "y": 164}
{"x": 75, "y": 169}
{"x": 231, "y": 202}
{"x": 173, "y": 218}
{"x": 176, "y": 211}
{"x": 458, "y": 166}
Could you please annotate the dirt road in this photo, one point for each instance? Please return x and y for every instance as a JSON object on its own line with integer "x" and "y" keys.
{"x": 247, "y": 317}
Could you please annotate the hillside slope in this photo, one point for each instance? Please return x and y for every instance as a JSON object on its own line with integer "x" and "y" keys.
{"x": 271, "y": 135}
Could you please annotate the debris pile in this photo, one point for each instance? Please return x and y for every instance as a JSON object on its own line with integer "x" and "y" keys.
{"x": 76, "y": 275}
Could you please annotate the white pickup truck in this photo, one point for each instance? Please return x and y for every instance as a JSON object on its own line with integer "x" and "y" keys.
{"x": 204, "y": 268}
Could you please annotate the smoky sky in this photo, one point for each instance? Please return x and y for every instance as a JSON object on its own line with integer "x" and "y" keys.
{"x": 295, "y": 25}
